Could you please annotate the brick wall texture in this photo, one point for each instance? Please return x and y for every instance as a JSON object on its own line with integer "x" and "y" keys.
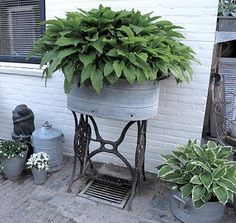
{"x": 181, "y": 108}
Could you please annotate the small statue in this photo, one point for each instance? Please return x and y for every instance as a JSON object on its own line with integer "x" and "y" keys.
{"x": 23, "y": 121}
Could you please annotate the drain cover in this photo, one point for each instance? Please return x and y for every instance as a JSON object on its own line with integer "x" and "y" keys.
{"x": 108, "y": 190}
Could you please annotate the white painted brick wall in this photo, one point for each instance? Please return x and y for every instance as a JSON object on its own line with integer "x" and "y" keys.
{"x": 181, "y": 109}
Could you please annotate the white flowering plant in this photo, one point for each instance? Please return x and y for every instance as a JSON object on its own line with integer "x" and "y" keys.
{"x": 39, "y": 161}
{"x": 11, "y": 148}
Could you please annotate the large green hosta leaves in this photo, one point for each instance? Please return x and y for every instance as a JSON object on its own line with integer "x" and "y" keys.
{"x": 139, "y": 47}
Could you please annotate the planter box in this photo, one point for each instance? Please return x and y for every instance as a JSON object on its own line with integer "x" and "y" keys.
{"x": 183, "y": 209}
{"x": 226, "y": 24}
{"x": 121, "y": 101}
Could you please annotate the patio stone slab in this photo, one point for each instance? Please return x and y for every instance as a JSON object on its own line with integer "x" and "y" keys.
{"x": 22, "y": 201}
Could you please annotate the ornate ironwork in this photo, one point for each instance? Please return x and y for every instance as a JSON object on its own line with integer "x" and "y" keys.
{"x": 224, "y": 107}
{"x": 82, "y": 139}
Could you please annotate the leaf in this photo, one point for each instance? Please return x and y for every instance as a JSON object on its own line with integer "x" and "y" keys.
{"x": 87, "y": 58}
{"x": 118, "y": 67}
{"x": 231, "y": 172}
{"x": 48, "y": 56}
{"x": 57, "y": 60}
{"x": 219, "y": 173}
{"x": 66, "y": 41}
{"x": 199, "y": 151}
{"x": 211, "y": 144}
{"x": 165, "y": 170}
{"x": 207, "y": 196}
{"x": 97, "y": 80}
{"x": 206, "y": 178}
{"x": 196, "y": 180}
{"x": 55, "y": 22}
{"x": 68, "y": 71}
{"x": 173, "y": 160}
{"x": 167, "y": 156}
{"x": 142, "y": 56}
{"x": 93, "y": 39}
{"x": 63, "y": 33}
{"x": 198, "y": 192}
{"x": 199, "y": 203}
{"x": 200, "y": 164}
{"x": 108, "y": 68}
{"x": 186, "y": 190}
{"x": 221, "y": 194}
{"x": 130, "y": 73}
{"x": 164, "y": 23}
{"x": 109, "y": 14}
{"x": 98, "y": 45}
{"x": 127, "y": 31}
{"x": 224, "y": 152}
{"x": 136, "y": 29}
{"x": 141, "y": 77}
{"x": 86, "y": 72}
{"x": 112, "y": 53}
{"x": 209, "y": 153}
{"x": 227, "y": 184}
{"x": 173, "y": 176}
{"x": 112, "y": 78}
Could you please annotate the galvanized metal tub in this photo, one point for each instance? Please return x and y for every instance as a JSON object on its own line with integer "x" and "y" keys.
{"x": 121, "y": 101}
{"x": 183, "y": 209}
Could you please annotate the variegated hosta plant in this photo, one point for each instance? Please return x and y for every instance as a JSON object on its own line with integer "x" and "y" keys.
{"x": 204, "y": 173}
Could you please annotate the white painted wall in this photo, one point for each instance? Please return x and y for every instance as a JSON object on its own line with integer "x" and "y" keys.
{"x": 181, "y": 110}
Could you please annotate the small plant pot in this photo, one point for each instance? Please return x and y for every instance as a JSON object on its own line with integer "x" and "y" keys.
{"x": 13, "y": 167}
{"x": 183, "y": 209}
{"x": 40, "y": 176}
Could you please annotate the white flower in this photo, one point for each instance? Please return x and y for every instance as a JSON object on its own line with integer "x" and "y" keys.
{"x": 39, "y": 160}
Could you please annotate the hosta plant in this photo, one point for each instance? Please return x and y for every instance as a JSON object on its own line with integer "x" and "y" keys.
{"x": 101, "y": 46}
{"x": 202, "y": 172}
{"x": 227, "y": 8}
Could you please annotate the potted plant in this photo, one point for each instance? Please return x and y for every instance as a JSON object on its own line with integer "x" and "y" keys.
{"x": 119, "y": 54}
{"x": 204, "y": 178}
{"x": 227, "y": 16}
{"x": 39, "y": 164}
{"x": 12, "y": 158}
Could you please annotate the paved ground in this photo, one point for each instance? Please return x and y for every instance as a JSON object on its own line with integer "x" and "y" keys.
{"x": 23, "y": 202}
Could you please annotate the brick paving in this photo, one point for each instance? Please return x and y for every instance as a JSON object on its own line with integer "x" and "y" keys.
{"x": 24, "y": 202}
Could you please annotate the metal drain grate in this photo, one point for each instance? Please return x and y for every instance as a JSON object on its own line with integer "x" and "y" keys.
{"x": 108, "y": 190}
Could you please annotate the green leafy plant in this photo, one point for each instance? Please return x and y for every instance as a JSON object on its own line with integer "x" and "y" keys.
{"x": 202, "y": 172}
{"x": 101, "y": 46}
{"x": 11, "y": 148}
{"x": 227, "y": 8}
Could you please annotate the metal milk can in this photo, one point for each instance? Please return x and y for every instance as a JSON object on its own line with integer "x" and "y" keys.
{"x": 49, "y": 140}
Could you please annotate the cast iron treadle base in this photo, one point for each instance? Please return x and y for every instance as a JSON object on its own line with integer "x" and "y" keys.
{"x": 107, "y": 191}
{"x": 82, "y": 138}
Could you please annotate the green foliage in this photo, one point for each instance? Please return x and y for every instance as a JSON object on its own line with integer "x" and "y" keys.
{"x": 202, "y": 172}
{"x": 227, "y": 8}
{"x": 101, "y": 45}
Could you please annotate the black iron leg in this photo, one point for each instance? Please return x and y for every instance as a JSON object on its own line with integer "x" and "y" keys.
{"x": 139, "y": 160}
{"x": 81, "y": 143}
{"x": 73, "y": 174}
